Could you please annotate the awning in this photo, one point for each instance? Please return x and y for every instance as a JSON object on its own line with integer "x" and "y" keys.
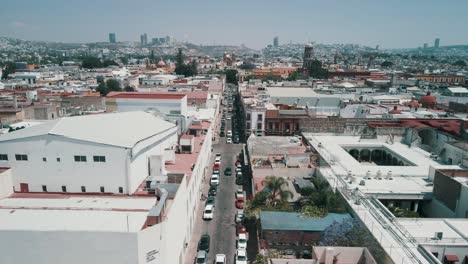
{"x": 451, "y": 257}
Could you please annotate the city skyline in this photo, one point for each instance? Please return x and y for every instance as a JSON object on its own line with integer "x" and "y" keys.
{"x": 391, "y": 25}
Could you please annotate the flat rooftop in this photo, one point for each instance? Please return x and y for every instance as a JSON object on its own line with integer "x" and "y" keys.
{"x": 75, "y": 213}
{"x": 406, "y": 182}
{"x": 274, "y": 145}
{"x": 455, "y": 231}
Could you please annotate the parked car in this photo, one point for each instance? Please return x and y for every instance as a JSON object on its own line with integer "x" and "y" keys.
{"x": 216, "y": 171}
{"x": 229, "y": 133}
{"x": 222, "y": 134}
{"x": 210, "y": 201}
{"x": 228, "y": 140}
{"x": 241, "y": 256}
{"x": 218, "y": 157}
{"x": 214, "y": 179}
{"x": 216, "y": 166}
{"x": 239, "y": 180}
{"x": 228, "y": 171}
{"x": 220, "y": 259}
{"x": 240, "y": 203}
{"x": 242, "y": 241}
{"x": 204, "y": 243}
{"x": 202, "y": 257}
{"x": 240, "y": 194}
{"x": 239, "y": 216}
{"x": 240, "y": 229}
{"x": 208, "y": 212}
{"x": 213, "y": 190}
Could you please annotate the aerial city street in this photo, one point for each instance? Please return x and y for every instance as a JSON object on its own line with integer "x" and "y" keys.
{"x": 242, "y": 132}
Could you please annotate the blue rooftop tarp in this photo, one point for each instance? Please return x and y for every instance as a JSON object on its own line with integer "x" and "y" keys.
{"x": 294, "y": 221}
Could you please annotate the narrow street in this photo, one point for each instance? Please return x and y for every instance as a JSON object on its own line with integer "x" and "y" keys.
{"x": 222, "y": 229}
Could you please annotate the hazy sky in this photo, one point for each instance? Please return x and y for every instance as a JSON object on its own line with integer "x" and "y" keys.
{"x": 390, "y": 23}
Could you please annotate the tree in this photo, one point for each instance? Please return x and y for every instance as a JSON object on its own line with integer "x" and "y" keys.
{"x": 386, "y": 64}
{"x": 350, "y": 233}
{"x": 460, "y": 63}
{"x": 398, "y": 212}
{"x": 194, "y": 67}
{"x": 231, "y": 76}
{"x": 293, "y": 76}
{"x": 102, "y": 89}
{"x": 113, "y": 85}
{"x": 129, "y": 89}
{"x": 91, "y": 63}
{"x": 247, "y": 66}
{"x": 316, "y": 70}
{"x": 10, "y": 67}
{"x": 179, "y": 58}
{"x": 313, "y": 211}
{"x": 274, "y": 187}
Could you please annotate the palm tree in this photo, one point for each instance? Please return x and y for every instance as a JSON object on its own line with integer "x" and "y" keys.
{"x": 274, "y": 186}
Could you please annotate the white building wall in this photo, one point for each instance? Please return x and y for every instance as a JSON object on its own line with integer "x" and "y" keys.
{"x": 6, "y": 183}
{"x": 177, "y": 229}
{"x": 149, "y": 245}
{"x": 164, "y": 106}
{"x": 58, "y": 247}
{"x": 66, "y": 172}
{"x": 140, "y": 160}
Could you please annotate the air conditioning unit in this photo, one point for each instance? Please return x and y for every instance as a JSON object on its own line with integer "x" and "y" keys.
{"x": 438, "y": 235}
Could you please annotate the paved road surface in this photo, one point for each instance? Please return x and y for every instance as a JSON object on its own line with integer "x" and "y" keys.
{"x": 222, "y": 228}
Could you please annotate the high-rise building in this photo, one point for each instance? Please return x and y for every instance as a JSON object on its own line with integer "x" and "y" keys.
{"x": 377, "y": 47}
{"x": 154, "y": 41}
{"x": 437, "y": 43}
{"x": 144, "y": 39}
{"x": 276, "y": 42}
{"x": 112, "y": 37}
{"x": 162, "y": 40}
{"x": 308, "y": 56}
{"x": 168, "y": 39}
{"x": 425, "y": 45}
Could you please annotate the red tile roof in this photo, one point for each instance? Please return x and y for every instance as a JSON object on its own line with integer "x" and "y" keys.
{"x": 185, "y": 136}
{"x": 137, "y": 95}
{"x": 451, "y": 257}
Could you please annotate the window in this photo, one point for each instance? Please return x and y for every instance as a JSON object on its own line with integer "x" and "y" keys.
{"x": 248, "y": 125}
{"x": 21, "y": 157}
{"x": 83, "y": 189}
{"x": 248, "y": 117}
{"x": 259, "y": 126}
{"x": 44, "y": 159}
{"x": 58, "y": 159}
{"x": 44, "y": 188}
{"x": 3, "y": 157}
{"x": 259, "y": 117}
{"x": 99, "y": 158}
{"x": 120, "y": 190}
{"x": 80, "y": 158}
{"x": 64, "y": 188}
{"x": 102, "y": 189}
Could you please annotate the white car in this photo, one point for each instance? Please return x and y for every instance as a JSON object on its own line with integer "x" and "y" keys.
{"x": 214, "y": 179}
{"x": 228, "y": 140}
{"x": 208, "y": 213}
{"x": 218, "y": 157}
{"x": 242, "y": 242}
{"x": 239, "y": 216}
{"x": 228, "y": 117}
{"x": 220, "y": 259}
{"x": 238, "y": 170}
{"x": 239, "y": 193}
{"x": 239, "y": 174}
{"x": 241, "y": 256}
{"x": 229, "y": 133}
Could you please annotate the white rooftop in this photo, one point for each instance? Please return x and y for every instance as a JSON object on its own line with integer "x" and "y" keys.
{"x": 124, "y": 129}
{"x": 75, "y": 213}
{"x": 455, "y": 231}
{"x": 406, "y": 180}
